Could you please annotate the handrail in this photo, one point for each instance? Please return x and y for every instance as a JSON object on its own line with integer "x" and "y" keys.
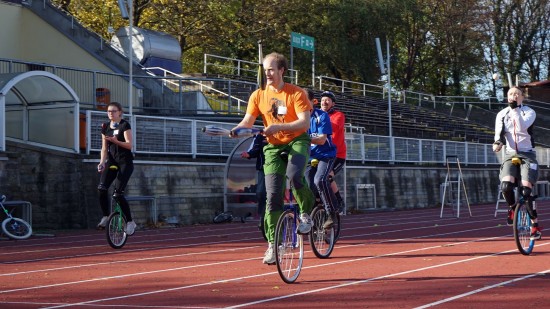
{"x": 199, "y": 83}
{"x": 179, "y": 136}
{"x": 293, "y": 73}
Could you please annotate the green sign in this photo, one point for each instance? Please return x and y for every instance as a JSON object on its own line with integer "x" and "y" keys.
{"x": 299, "y": 40}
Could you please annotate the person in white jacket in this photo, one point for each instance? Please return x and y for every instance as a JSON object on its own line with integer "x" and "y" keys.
{"x": 514, "y": 128}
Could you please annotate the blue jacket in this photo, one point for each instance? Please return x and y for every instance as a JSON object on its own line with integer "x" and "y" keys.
{"x": 320, "y": 124}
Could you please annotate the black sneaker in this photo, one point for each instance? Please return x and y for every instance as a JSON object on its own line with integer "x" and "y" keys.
{"x": 510, "y": 219}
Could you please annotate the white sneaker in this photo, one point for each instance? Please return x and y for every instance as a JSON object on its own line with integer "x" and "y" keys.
{"x": 305, "y": 224}
{"x": 103, "y": 222}
{"x": 269, "y": 257}
{"x": 130, "y": 228}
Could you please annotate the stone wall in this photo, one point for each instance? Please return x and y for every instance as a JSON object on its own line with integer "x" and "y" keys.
{"x": 62, "y": 186}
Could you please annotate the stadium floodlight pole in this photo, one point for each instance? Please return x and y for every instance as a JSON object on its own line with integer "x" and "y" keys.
{"x": 127, "y": 12}
{"x": 130, "y": 54}
{"x": 383, "y": 72}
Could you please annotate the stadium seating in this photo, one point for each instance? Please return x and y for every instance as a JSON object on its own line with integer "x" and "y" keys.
{"x": 407, "y": 120}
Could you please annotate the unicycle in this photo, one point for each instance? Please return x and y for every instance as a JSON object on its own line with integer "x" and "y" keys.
{"x": 13, "y": 227}
{"x": 522, "y": 229}
{"x": 322, "y": 240}
{"x": 116, "y": 228}
{"x": 289, "y": 245}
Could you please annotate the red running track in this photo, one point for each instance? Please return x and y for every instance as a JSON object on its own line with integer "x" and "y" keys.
{"x": 401, "y": 259}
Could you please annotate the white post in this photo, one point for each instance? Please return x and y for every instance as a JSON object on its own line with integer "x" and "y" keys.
{"x": 130, "y": 55}
{"x": 392, "y": 144}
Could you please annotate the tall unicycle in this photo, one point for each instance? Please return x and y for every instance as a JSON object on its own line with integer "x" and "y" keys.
{"x": 289, "y": 247}
{"x": 522, "y": 229}
{"x": 322, "y": 240}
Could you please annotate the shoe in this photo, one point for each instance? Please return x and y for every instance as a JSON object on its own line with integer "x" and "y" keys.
{"x": 510, "y": 219}
{"x": 305, "y": 224}
{"x": 536, "y": 233}
{"x": 130, "y": 228}
{"x": 101, "y": 225}
{"x": 269, "y": 256}
{"x": 329, "y": 222}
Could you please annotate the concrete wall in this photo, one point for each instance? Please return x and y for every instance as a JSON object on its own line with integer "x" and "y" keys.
{"x": 25, "y": 36}
{"x": 62, "y": 187}
{"x": 10, "y": 17}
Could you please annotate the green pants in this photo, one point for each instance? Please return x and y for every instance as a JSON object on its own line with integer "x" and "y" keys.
{"x": 276, "y": 170}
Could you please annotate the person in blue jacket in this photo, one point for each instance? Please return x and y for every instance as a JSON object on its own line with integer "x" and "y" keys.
{"x": 322, "y": 158}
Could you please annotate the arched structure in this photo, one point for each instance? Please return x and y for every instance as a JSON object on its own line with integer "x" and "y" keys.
{"x": 240, "y": 181}
{"x": 38, "y": 107}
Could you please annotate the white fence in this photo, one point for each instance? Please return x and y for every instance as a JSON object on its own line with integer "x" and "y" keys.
{"x": 176, "y": 136}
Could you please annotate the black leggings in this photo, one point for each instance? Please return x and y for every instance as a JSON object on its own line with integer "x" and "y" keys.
{"x": 120, "y": 177}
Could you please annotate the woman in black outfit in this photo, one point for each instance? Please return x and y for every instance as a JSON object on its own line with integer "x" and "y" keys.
{"x": 116, "y": 164}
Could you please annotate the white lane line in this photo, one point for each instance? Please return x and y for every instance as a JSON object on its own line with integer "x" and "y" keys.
{"x": 397, "y": 217}
{"x": 195, "y": 244}
{"x": 177, "y": 246}
{"x": 128, "y": 261}
{"x": 374, "y": 279}
{"x": 542, "y": 273}
{"x": 297, "y": 294}
{"x": 41, "y": 304}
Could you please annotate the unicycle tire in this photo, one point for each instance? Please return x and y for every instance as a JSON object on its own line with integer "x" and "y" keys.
{"x": 322, "y": 240}
{"x": 522, "y": 230}
{"x": 116, "y": 234}
{"x": 16, "y": 228}
{"x": 337, "y": 227}
{"x": 289, "y": 247}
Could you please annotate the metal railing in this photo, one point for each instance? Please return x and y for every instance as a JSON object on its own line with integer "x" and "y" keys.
{"x": 248, "y": 70}
{"x": 176, "y": 136}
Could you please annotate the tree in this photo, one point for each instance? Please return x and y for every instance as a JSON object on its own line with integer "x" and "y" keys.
{"x": 520, "y": 32}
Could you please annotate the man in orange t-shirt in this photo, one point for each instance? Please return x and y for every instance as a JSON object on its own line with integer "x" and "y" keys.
{"x": 285, "y": 111}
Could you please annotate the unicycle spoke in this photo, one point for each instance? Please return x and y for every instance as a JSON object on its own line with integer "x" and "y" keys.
{"x": 522, "y": 230}
{"x": 322, "y": 240}
{"x": 116, "y": 235}
{"x": 289, "y": 247}
{"x": 16, "y": 228}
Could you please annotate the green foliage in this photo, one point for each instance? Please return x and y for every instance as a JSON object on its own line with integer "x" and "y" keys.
{"x": 444, "y": 47}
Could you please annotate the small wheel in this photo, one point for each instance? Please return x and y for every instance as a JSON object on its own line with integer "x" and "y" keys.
{"x": 16, "y": 228}
{"x": 322, "y": 240}
{"x": 522, "y": 230}
{"x": 116, "y": 236}
{"x": 289, "y": 247}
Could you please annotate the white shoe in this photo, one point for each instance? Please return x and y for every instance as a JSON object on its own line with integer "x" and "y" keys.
{"x": 130, "y": 228}
{"x": 103, "y": 222}
{"x": 305, "y": 224}
{"x": 269, "y": 257}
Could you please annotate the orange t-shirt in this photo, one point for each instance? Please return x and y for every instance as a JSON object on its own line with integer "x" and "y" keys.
{"x": 267, "y": 102}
